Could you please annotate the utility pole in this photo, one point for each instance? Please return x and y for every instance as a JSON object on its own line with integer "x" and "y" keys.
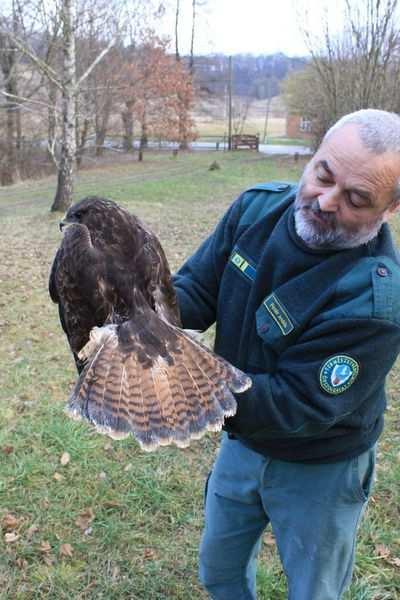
{"x": 230, "y": 103}
{"x": 267, "y": 112}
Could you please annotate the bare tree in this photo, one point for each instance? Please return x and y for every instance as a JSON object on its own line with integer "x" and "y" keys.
{"x": 240, "y": 111}
{"x": 357, "y": 68}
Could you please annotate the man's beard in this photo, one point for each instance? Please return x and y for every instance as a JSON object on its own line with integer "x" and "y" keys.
{"x": 320, "y": 229}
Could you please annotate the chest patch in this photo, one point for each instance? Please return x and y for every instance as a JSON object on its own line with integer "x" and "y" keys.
{"x": 279, "y": 314}
{"x": 243, "y": 265}
{"x": 338, "y": 373}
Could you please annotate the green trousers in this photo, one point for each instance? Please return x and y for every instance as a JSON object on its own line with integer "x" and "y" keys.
{"x": 314, "y": 511}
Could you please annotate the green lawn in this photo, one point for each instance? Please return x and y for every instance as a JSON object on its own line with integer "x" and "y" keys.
{"x": 114, "y": 522}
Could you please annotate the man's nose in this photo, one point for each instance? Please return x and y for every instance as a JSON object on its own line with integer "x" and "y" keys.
{"x": 328, "y": 200}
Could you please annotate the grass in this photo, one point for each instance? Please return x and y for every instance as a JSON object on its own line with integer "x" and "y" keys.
{"x": 253, "y": 125}
{"x": 132, "y": 520}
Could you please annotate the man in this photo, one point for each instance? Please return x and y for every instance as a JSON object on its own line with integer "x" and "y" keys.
{"x": 304, "y": 286}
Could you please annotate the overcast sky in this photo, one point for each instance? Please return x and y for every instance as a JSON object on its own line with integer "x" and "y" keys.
{"x": 254, "y": 26}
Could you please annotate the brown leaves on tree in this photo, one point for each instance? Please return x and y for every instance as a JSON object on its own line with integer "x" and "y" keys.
{"x": 158, "y": 93}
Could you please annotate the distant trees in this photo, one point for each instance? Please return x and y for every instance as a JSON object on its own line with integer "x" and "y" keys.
{"x": 256, "y": 76}
{"x": 358, "y": 68}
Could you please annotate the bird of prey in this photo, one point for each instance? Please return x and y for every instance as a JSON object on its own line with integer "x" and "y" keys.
{"x": 139, "y": 372}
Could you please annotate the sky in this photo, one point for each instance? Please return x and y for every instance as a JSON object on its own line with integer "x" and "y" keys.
{"x": 250, "y": 26}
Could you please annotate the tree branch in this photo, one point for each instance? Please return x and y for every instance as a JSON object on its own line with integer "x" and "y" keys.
{"x": 95, "y": 63}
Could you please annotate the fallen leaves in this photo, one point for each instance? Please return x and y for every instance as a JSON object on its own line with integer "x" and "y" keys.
{"x": 149, "y": 554}
{"x": 45, "y": 551}
{"x": 45, "y": 547}
{"x": 30, "y": 532}
{"x": 66, "y": 550}
{"x": 385, "y": 554}
{"x": 10, "y": 522}
{"x": 269, "y": 539}
{"x": 84, "y": 520}
{"x": 11, "y": 525}
{"x": 65, "y": 458}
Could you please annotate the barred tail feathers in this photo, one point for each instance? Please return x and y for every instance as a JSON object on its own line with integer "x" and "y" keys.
{"x": 170, "y": 390}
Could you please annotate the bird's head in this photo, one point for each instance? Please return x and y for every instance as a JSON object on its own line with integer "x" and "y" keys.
{"x": 92, "y": 211}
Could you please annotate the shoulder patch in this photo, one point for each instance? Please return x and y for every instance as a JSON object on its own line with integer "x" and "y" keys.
{"x": 338, "y": 373}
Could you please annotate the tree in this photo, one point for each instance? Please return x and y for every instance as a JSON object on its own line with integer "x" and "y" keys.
{"x": 157, "y": 93}
{"x": 240, "y": 111}
{"x": 356, "y": 69}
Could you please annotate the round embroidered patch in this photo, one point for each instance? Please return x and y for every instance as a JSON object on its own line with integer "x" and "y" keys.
{"x": 338, "y": 373}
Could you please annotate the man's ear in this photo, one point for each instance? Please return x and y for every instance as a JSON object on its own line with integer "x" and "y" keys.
{"x": 391, "y": 211}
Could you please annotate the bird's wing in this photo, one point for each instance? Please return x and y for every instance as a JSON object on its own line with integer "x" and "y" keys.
{"x": 151, "y": 379}
{"x": 160, "y": 283}
{"x": 52, "y": 278}
{"x": 75, "y": 285}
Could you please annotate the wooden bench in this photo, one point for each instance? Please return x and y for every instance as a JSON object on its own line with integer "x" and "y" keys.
{"x": 240, "y": 141}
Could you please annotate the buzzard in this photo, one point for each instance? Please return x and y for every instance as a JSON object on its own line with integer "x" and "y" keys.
{"x": 139, "y": 372}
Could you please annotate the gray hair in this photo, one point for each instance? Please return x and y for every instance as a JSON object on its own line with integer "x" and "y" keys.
{"x": 379, "y": 132}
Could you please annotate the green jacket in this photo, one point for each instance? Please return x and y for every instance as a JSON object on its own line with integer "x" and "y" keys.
{"x": 317, "y": 330}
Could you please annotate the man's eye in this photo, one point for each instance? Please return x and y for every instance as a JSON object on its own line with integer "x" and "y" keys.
{"x": 323, "y": 179}
{"x": 355, "y": 201}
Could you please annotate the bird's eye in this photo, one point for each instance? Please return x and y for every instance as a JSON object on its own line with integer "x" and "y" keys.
{"x": 78, "y": 214}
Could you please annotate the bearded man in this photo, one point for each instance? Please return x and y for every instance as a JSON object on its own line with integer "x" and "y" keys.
{"x": 303, "y": 283}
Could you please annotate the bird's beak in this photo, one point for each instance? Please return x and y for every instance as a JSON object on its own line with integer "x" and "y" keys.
{"x": 62, "y": 224}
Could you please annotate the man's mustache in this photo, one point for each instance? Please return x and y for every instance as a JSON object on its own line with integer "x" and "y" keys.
{"x": 315, "y": 208}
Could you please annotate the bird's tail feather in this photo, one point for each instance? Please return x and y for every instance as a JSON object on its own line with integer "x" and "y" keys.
{"x": 151, "y": 379}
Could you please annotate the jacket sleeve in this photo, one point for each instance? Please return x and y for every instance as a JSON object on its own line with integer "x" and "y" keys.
{"x": 291, "y": 402}
{"x": 197, "y": 281}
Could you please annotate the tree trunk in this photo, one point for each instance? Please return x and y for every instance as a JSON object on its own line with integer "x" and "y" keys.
{"x": 82, "y": 142}
{"x": 144, "y": 139}
{"x": 101, "y": 125}
{"x": 183, "y": 122}
{"x": 10, "y": 170}
{"x": 177, "y": 55}
{"x": 63, "y": 197}
{"x": 127, "y": 121}
{"x": 8, "y": 57}
{"x": 191, "y": 59}
{"x": 100, "y": 139}
{"x": 51, "y": 120}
